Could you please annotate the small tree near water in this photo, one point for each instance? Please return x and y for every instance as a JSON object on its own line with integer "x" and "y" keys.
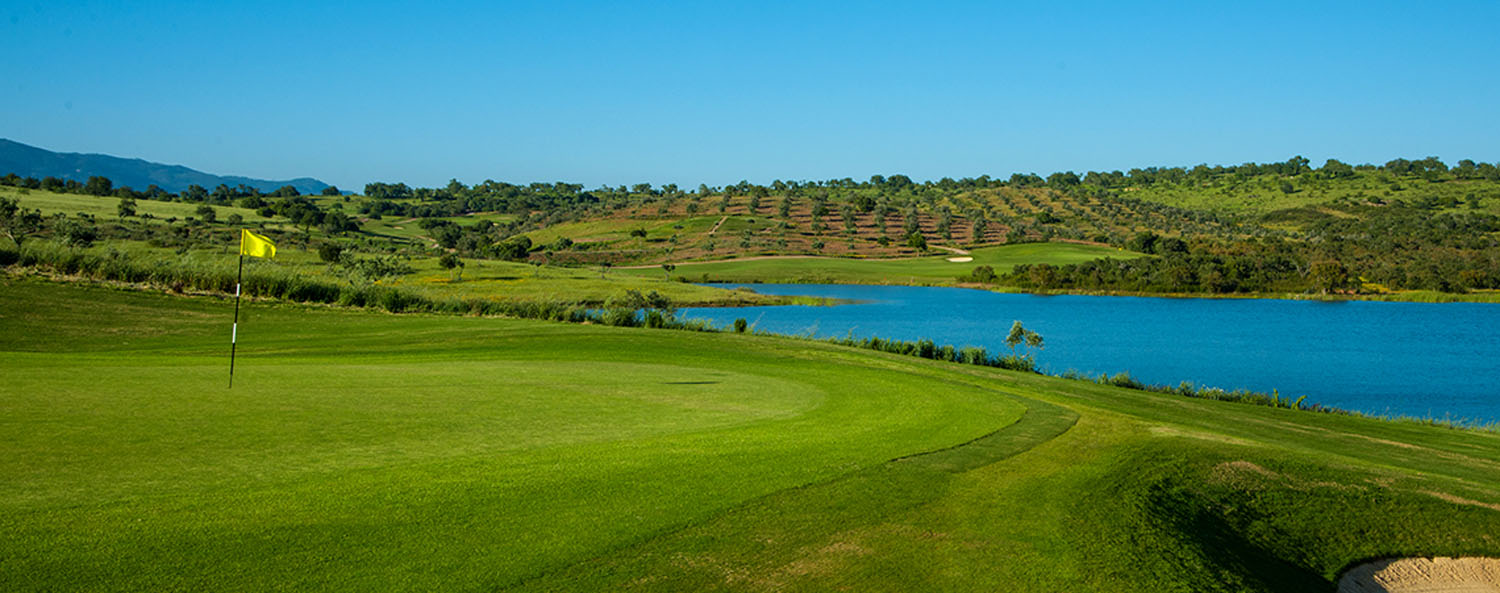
{"x": 982, "y": 273}
{"x": 1020, "y": 336}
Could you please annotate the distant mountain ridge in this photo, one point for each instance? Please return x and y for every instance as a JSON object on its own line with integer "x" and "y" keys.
{"x": 30, "y": 161}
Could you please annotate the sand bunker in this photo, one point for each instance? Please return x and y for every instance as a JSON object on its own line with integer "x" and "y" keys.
{"x": 1424, "y": 575}
{"x": 959, "y": 260}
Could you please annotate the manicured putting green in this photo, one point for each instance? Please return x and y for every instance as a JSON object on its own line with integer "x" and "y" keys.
{"x": 361, "y": 451}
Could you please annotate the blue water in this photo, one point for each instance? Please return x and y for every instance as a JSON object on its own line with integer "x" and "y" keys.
{"x": 1427, "y": 360}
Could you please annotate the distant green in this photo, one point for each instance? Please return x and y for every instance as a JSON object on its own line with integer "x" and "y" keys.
{"x": 930, "y": 270}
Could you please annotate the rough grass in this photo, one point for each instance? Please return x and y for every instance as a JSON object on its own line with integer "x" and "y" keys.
{"x": 364, "y": 451}
{"x": 512, "y": 281}
{"x": 483, "y": 280}
{"x": 612, "y": 230}
{"x": 405, "y": 228}
{"x": 107, "y": 207}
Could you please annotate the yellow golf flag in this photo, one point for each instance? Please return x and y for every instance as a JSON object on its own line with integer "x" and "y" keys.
{"x": 255, "y": 245}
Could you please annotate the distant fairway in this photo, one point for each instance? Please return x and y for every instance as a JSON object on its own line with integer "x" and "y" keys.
{"x": 918, "y": 271}
{"x": 361, "y": 451}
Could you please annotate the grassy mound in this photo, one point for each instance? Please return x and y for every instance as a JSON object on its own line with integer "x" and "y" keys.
{"x": 365, "y": 451}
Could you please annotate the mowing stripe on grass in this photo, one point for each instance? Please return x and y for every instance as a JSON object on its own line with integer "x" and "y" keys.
{"x": 775, "y": 528}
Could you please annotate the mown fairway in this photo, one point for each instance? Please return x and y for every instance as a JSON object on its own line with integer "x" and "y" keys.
{"x": 933, "y": 270}
{"x": 361, "y": 451}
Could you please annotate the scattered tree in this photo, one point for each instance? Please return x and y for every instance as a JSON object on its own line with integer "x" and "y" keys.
{"x": 16, "y": 222}
{"x": 330, "y": 252}
{"x": 515, "y": 248}
{"x": 1329, "y": 276}
{"x": 98, "y": 186}
{"x": 77, "y": 234}
{"x": 451, "y": 262}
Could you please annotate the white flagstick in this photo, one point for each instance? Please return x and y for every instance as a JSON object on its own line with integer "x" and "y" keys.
{"x": 234, "y": 332}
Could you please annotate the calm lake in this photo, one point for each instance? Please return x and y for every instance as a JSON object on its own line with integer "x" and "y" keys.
{"x": 1438, "y": 360}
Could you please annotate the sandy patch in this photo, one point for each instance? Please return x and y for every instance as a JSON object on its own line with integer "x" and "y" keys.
{"x": 1249, "y": 476}
{"x": 959, "y": 260}
{"x": 1169, "y": 431}
{"x": 1243, "y": 467}
{"x": 1424, "y": 575}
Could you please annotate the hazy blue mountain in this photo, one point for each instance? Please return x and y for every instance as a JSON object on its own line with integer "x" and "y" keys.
{"x": 30, "y": 161}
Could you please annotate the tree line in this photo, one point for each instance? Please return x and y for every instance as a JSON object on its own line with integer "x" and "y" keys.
{"x": 99, "y": 185}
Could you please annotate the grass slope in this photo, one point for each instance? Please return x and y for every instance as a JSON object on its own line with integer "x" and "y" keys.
{"x": 361, "y": 451}
{"x": 108, "y": 207}
{"x": 1264, "y": 195}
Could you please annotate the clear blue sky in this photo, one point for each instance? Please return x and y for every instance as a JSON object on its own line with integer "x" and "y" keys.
{"x": 704, "y": 92}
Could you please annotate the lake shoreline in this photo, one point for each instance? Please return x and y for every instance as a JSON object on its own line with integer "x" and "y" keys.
{"x": 1379, "y": 358}
{"x": 1422, "y": 296}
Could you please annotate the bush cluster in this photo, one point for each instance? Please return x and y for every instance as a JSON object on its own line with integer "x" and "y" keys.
{"x": 925, "y": 348}
{"x": 179, "y": 275}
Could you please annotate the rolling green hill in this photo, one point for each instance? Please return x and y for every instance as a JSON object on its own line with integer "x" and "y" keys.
{"x": 171, "y": 235}
{"x": 363, "y": 451}
{"x": 1413, "y": 230}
